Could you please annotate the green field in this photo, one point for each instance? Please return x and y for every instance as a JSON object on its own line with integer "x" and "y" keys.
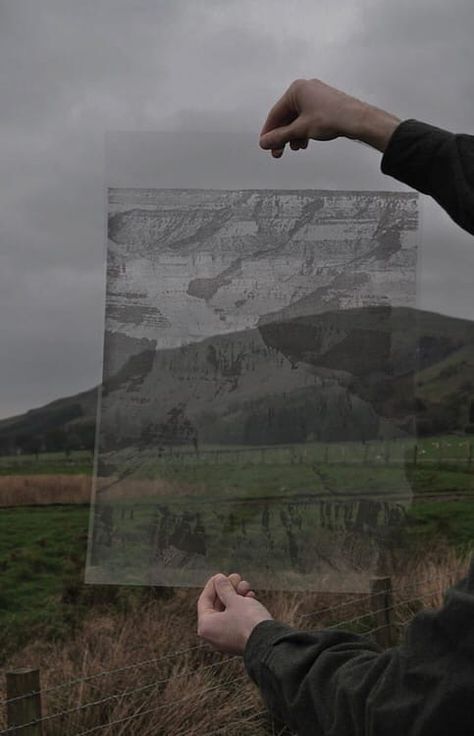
{"x": 444, "y": 449}
{"x": 42, "y": 592}
{"x": 447, "y": 521}
{"x": 42, "y": 553}
{"x": 77, "y": 462}
{"x": 252, "y": 480}
{"x": 42, "y": 550}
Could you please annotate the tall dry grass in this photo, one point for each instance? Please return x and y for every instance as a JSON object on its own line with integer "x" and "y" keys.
{"x": 44, "y": 490}
{"x": 184, "y": 688}
{"x": 197, "y": 691}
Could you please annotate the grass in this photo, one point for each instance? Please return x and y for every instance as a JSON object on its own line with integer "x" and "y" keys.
{"x": 44, "y": 490}
{"x": 445, "y": 447}
{"x": 47, "y": 463}
{"x": 452, "y": 522}
{"x": 430, "y": 449}
{"x": 49, "y": 618}
{"x": 197, "y": 691}
{"x": 40, "y": 549}
{"x": 252, "y": 480}
{"x": 42, "y": 555}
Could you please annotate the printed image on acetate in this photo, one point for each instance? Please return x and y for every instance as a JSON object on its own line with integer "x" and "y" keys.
{"x": 257, "y": 399}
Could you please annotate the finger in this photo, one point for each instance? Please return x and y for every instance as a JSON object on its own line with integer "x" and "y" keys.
{"x": 278, "y": 153}
{"x": 207, "y": 600}
{"x": 224, "y": 589}
{"x": 235, "y": 579}
{"x": 282, "y": 113}
{"x": 243, "y": 587}
{"x": 298, "y": 143}
{"x": 251, "y": 594}
{"x": 278, "y": 137}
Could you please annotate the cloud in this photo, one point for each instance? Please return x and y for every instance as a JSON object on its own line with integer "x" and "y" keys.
{"x": 71, "y": 71}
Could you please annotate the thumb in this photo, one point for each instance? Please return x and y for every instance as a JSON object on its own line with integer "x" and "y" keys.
{"x": 278, "y": 137}
{"x": 224, "y": 589}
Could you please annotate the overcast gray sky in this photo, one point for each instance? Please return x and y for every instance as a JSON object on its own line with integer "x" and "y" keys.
{"x": 70, "y": 71}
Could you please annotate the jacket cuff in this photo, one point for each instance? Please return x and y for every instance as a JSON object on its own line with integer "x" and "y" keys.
{"x": 404, "y": 159}
{"x": 259, "y": 645}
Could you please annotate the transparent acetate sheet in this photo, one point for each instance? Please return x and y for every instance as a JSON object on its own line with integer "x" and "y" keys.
{"x": 257, "y": 409}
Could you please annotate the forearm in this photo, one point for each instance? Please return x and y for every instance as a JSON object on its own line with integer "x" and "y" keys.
{"x": 435, "y": 162}
{"x": 315, "y": 682}
{"x": 332, "y": 682}
{"x": 431, "y": 160}
{"x": 426, "y": 158}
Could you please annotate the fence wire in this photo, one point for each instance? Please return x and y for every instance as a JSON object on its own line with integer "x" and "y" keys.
{"x": 212, "y": 668}
{"x": 260, "y": 716}
{"x": 358, "y": 600}
{"x": 104, "y": 673}
{"x": 392, "y": 606}
{"x": 161, "y": 706}
{"x": 369, "y": 598}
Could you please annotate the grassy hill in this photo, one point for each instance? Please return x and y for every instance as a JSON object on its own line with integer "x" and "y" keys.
{"x": 66, "y": 423}
{"x": 234, "y": 386}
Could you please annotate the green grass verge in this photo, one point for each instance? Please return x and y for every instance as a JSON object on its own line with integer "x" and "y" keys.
{"x": 40, "y": 548}
{"x": 452, "y": 522}
{"x": 48, "y": 463}
{"x": 42, "y": 553}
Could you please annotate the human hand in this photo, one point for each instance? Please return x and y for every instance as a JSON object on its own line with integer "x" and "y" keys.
{"x": 241, "y": 586}
{"x": 311, "y": 109}
{"x": 228, "y": 612}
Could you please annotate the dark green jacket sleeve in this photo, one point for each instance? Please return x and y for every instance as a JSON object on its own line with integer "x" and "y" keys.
{"x": 333, "y": 683}
{"x": 435, "y": 162}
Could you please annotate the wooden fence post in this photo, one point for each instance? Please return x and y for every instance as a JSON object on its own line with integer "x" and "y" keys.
{"x": 24, "y": 702}
{"x": 382, "y": 607}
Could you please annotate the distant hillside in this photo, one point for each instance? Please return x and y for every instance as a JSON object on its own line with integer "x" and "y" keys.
{"x": 342, "y": 375}
{"x": 291, "y": 379}
{"x": 433, "y": 350}
{"x": 67, "y": 423}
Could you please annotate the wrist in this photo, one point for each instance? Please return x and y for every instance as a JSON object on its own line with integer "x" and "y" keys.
{"x": 249, "y": 628}
{"x": 374, "y": 126}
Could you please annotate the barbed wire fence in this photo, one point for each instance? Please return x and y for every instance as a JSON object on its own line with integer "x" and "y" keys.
{"x": 89, "y": 704}
{"x": 375, "y": 453}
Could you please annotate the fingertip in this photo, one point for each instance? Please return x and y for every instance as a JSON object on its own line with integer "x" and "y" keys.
{"x": 298, "y": 143}
{"x": 235, "y": 579}
{"x": 243, "y": 587}
{"x": 223, "y": 582}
